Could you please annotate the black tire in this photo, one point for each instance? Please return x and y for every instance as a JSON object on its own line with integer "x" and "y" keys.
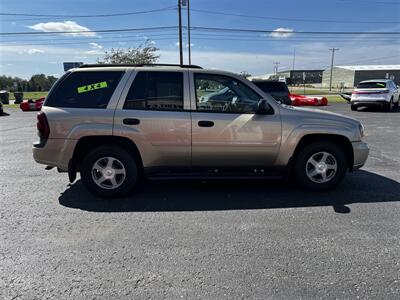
{"x": 300, "y": 165}
{"x": 389, "y": 106}
{"x": 353, "y": 107}
{"x": 130, "y": 178}
{"x": 396, "y": 105}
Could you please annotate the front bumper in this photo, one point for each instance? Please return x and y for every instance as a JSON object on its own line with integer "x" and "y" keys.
{"x": 360, "y": 152}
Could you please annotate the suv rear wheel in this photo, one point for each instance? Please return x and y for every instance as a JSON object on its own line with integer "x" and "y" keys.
{"x": 320, "y": 166}
{"x": 109, "y": 171}
{"x": 390, "y": 105}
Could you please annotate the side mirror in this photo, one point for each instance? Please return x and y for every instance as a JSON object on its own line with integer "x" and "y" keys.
{"x": 263, "y": 108}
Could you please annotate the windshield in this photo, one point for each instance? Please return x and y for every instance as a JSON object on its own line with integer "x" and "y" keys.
{"x": 371, "y": 85}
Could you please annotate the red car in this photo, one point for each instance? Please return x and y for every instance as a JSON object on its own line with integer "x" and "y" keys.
{"x": 301, "y": 100}
{"x": 32, "y": 105}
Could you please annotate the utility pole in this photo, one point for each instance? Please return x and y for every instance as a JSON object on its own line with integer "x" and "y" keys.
{"x": 180, "y": 33}
{"x": 294, "y": 58}
{"x": 188, "y": 29}
{"x": 276, "y": 64}
{"x": 333, "y": 57}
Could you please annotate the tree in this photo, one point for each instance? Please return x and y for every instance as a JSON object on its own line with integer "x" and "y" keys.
{"x": 143, "y": 54}
{"x": 245, "y": 74}
{"x": 38, "y": 82}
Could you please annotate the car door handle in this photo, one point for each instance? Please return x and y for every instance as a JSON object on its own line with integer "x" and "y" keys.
{"x": 206, "y": 123}
{"x": 131, "y": 121}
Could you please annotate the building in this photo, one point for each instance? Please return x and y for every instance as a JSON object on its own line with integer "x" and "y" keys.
{"x": 294, "y": 77}
{"x": 350, "y": 76}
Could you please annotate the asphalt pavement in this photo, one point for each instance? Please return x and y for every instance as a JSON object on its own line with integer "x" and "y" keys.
{"x": 200, "y": 240}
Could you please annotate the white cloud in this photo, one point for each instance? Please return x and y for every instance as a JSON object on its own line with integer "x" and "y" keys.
{"x": 33, "y": 51}
{"x": 93, "y": 52}
{"x": 95, "y": 46}
{"x": 282, "y": 33}
{"x": 65, "y": 26}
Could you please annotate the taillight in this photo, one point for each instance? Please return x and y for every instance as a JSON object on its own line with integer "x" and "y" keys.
{"x": 42, "y": 126}
{"x": 372, "y": 92}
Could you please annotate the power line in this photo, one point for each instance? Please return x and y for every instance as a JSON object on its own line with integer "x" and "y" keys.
{"x": 173, "y": 37}
{"x": 89, "y": 31}
{"x": 291, "y": 19}
{"x": 91, "y": 16}
{"x": 228, "y": 36}
{"x": 296, "y": 32}
{"x": 200, "y": 28}
{"x": 374, "y": 2}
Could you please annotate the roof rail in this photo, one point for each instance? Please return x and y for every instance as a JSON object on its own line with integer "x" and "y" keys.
{"x": 139, "y": 65}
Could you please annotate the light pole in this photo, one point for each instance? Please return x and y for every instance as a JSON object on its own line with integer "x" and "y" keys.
{"x": 294, "y": 58}
{"x": 333, "y": 57}
{"x": 276, "y": 64}
{"x": 188, "y": 29}
{"x": 180, "y": 33}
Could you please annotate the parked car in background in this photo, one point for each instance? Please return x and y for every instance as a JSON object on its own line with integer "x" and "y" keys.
{"x": 117, "y": 124}
{"x": 1, "y": 108}
{"x": 32, "y": 105}
{"x": 276, "y": 89}
{"x": 280, "y": 92}
{"x": 302, "y": 100}
{"x": 378, "y": 92}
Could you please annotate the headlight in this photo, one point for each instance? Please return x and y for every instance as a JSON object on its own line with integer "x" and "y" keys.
{"x": 361, "y": 129}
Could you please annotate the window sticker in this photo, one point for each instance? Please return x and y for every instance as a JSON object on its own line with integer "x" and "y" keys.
{"x": 92, "y": 87}
{"x": 381, "y": 84}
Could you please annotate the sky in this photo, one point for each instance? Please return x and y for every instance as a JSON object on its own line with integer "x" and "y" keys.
{"x": 277, "y": 38}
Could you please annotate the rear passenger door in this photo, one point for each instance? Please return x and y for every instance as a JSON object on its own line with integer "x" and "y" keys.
{"x": 151, "y": 112}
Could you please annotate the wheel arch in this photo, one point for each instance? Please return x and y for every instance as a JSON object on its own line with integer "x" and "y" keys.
{"x": 88, "y": 143}
{"x": 340, "y": 140}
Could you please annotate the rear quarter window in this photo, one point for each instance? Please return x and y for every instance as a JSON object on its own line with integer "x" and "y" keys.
{"x": 85, "y": 89}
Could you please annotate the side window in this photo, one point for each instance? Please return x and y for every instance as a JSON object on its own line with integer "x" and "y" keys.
{"x": 156, "y": 91}
{"x": 88, "y": 89}
{"x": 216, "y": 93}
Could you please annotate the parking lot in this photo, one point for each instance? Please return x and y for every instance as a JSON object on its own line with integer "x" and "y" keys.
{"x": 194, "y": 239}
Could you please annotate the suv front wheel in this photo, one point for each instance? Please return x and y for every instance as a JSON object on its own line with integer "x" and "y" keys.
{"x": 320, "y": 166}
{"x": 109, "y": 171}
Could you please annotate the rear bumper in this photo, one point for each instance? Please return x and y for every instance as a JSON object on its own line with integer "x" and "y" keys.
{"x": 369, "y": 102}
{"x": 360, "y": 152}
{"x": 55, "y": 152}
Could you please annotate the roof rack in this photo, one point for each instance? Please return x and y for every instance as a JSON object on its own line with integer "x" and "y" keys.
{"x": 139, "y": 65}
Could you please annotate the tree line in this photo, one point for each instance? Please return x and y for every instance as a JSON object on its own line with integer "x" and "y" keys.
{"x": 37, "y": 83}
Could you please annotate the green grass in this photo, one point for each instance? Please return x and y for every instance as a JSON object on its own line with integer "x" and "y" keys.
{"x": 31, "y": 95}
{"x": 5, "y": 106}
{"x": 335, "y": 99}
{"x": 300, "y": 91}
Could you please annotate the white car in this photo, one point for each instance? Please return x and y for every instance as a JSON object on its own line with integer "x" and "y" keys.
{"x": 378, "y": 92}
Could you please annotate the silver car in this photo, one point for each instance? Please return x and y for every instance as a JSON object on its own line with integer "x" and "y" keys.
{"x": 116, "y": 124}
{"x": 381, "y": 92}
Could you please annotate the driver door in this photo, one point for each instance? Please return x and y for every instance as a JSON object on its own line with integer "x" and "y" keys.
{"x": 226, "y": 132}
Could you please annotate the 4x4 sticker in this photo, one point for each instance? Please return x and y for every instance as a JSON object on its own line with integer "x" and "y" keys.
{"x": 92, "y": 87}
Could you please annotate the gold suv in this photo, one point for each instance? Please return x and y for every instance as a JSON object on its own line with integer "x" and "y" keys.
{"x": 116, "y": 124}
